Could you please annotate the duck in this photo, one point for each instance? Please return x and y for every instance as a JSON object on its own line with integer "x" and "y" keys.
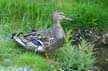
{"x": 89, "y": 35}
{"x": 102, "y": 39}
{"x": 89, "y": 32}
{"x": 76, "y": 37}
{"x": 46, "y": 40}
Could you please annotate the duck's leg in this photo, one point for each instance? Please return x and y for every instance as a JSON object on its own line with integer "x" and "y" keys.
{"x": 49, "y": 60}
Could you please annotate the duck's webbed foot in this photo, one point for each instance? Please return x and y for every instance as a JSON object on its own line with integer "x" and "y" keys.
{"x": 49, "y": 60}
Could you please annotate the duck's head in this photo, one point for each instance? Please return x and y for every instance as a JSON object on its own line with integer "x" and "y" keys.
{"x": 60, "y": 16}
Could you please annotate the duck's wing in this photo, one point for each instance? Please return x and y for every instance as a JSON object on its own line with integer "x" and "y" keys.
{"x": 46, "y": 37}
{"x": 46, "y": 32}
{"x": 17, "y": 39}
{"x": 29, "y": 44}
{"x": 38, "y": 34}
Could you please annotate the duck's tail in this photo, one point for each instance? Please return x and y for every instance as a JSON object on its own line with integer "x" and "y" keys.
{"x": 13, "y": 35}
{"x": 17, "y": 39}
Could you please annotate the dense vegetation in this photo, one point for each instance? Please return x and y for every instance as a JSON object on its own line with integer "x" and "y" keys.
{"x": 24, "y": 15}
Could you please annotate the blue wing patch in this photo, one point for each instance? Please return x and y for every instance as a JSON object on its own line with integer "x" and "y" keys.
{"x": 37, "y": 42}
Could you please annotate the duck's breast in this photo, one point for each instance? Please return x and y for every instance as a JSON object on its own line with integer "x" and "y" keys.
{"x": 59, "y": 33}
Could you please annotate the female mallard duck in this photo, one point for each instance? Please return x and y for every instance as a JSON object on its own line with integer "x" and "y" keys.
{"x": 45, "y": 40}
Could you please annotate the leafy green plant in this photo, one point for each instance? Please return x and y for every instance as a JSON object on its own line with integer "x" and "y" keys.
{"x": 77, "y": 57}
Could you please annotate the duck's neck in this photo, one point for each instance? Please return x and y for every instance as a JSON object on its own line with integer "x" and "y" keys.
{"x": 58, "y": 30}
{"x": 56, "y": 23}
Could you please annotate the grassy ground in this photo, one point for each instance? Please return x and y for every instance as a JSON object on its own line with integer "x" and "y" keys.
{"x": 23, "y": 15}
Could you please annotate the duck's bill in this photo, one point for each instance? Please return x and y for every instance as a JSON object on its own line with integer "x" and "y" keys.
{"x": 67, "y": 18}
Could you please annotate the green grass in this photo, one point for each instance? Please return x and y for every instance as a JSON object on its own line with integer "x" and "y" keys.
{"x": 23, "y": 15}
